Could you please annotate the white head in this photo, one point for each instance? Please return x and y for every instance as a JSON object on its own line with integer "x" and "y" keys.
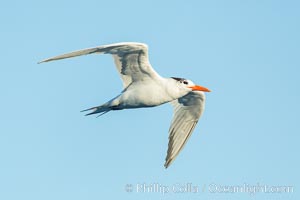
{"x": 188, "y": 85}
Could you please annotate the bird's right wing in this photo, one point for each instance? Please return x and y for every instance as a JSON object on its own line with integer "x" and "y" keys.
{"x": 131, "y": 60}
{"x": 187, "y": 111}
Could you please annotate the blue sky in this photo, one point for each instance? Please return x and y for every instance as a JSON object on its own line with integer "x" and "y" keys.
{"x": 246, "y": 52}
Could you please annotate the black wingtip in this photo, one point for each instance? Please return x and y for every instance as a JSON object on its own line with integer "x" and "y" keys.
{"x": 167, "y": 164}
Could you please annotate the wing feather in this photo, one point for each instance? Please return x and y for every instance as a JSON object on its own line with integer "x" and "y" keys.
{"x": 131, "y": 60}
{"x": 187, "y": 111}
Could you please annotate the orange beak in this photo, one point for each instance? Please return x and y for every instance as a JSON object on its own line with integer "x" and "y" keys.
{"x": 199, "y": 88}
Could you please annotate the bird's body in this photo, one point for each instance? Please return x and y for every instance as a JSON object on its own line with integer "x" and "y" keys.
{"x": 149, "y": 94}
{"x": 143, "y": 87}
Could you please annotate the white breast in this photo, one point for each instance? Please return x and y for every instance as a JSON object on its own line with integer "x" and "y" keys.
{"x": 149, "y": 93}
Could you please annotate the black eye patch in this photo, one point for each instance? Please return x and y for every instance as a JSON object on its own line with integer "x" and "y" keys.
{"x": 178, "y": 79}
{"x": 181, "y": 80}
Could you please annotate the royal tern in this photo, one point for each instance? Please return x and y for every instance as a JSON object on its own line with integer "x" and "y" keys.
{"x": 144, "y": 87}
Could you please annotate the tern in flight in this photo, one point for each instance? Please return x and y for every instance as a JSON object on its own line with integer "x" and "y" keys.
{"x": 144, "y": 87}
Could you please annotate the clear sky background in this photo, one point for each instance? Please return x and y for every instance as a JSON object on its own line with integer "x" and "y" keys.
{"x": 246, "y": 52}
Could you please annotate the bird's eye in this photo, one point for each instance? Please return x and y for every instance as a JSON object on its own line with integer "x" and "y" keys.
{"x": 185, "y": 82}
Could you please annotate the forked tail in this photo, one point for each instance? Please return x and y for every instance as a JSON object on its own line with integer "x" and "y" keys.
{"x": 98, "y": 109}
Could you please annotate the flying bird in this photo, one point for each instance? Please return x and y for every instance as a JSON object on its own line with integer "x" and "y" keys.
{"x": 144, "y": 87}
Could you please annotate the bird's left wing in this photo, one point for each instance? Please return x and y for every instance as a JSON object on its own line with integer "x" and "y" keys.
{"x": 131, "y": 59}
{"x": 187, "y": 111}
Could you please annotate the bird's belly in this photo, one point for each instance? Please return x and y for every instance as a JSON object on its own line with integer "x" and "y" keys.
{"x": 144, "y": 97}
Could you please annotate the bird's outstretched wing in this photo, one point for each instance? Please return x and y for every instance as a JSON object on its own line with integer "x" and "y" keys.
{"x": 187, "y": 111}
{"x": 131, "y": 60}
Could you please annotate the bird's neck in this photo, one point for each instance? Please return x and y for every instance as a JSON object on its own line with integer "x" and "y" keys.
{"x": 173, "y": 90}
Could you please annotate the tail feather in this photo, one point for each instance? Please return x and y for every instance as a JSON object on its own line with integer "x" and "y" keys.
{"x": 98, "y": 109}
